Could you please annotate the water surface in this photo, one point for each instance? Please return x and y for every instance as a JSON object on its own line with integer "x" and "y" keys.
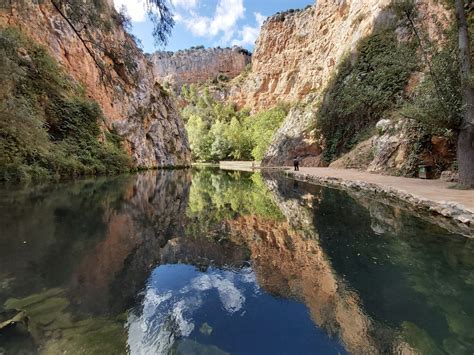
{"x": 211, "y": 262}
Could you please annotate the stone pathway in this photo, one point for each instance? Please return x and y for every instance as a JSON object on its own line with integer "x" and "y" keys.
{"x": 434, "y": 190}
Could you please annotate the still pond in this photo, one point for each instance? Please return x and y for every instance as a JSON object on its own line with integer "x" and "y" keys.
{"x": 204, "y": 261}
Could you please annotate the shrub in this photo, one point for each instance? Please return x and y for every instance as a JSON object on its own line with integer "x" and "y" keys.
{"x": 363, "y": 90}
{"x": 218, "y": 131}
{"x": 47, "y": 126}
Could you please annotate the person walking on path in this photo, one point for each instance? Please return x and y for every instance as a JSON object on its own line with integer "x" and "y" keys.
{"x": 296, "y": 164}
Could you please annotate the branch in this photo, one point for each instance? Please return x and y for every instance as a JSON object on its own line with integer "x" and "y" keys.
{"x": 78, "y": 34}
{"x": 428, "y": 62}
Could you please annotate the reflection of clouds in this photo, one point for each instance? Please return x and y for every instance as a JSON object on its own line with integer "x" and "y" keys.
{"x": 167, "y": 314}
{"x": 232, "y": 299}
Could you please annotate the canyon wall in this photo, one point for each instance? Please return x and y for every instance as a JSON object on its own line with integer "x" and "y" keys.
{"x": 197, "y": 65}
{"x": 134, "y": 103}
{"x": 297, "y": 54}
{"x": 298, "y": 51}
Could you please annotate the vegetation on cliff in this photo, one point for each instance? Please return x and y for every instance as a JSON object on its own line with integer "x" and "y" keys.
{"x": 363, "y": 91}
{"x": 411, "y": 80}
{"x": 48, "y": 127}
{"x": 218, "y": 131}
{"x": 445, "y": 99}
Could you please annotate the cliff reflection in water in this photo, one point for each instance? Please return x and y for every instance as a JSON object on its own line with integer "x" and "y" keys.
{"x": 383, "y": 280}
{"x": 205, "y": 261}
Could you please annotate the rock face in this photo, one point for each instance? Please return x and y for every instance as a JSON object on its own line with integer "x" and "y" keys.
{"x": 198, "y": 65}
{"x": 133, "y": 102}
{"x": 296, "y": 55}
{"x": 297, "y": 52}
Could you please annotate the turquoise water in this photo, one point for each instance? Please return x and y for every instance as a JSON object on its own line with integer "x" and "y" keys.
{"x": 211, "y": 262}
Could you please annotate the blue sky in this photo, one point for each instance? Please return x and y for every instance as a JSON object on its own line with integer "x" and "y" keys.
{"x": 209, "y": 22}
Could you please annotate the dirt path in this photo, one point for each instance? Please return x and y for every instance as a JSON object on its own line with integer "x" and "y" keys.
{"x": 433, "y": 190}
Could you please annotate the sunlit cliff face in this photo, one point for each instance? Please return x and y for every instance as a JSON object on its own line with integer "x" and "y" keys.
{"x": 134, "y": 105}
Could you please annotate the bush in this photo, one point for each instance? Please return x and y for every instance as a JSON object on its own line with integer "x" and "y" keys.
{"x": 48, "y": 128}
{"x": 219, "y": 132}
{"x": 363, "y": 91}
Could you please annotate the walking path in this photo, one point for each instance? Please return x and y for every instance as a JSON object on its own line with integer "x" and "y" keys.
{"x": 434, "y": 190}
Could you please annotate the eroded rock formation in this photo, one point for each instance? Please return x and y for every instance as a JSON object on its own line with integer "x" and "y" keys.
{"x": 133, "y": 102}
{"x": 297, "y": 54}
{"x": 197, "y": 65}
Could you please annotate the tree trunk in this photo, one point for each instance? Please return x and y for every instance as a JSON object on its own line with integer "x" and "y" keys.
{"x": 465, "y": 146}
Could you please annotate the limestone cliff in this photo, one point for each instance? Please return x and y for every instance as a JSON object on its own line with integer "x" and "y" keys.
{"x": 297, "y": 55}
{"x": 131, "y": 97}
{"x": 197, "y": 65}
{"x": 297, "y": 51}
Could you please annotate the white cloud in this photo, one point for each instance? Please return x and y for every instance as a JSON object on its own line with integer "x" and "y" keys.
{"x": 248, "y": 35}
{"x": 168, "y": 313}
{"x": 136, "y": 9}
{"x": 185, "y": 4}
{"x": 223, "y": 23}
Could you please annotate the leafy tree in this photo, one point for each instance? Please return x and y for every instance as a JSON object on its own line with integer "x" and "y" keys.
{"x": 221, "y": 146}
{"x": 447, "y": 100}
{"x": 200, "y": 139}
{"x": 262, "y": 127}
{"x": 218, "y": 131}
{"x": 239, "y": 140}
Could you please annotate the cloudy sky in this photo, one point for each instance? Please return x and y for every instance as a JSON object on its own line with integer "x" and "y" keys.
{"x": 209, "y": 22}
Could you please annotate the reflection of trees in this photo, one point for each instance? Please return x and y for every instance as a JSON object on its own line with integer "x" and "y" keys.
{"x": 219, "y": 196}
{"x": 407, "y": 274}
{"x": 289, "y": 261}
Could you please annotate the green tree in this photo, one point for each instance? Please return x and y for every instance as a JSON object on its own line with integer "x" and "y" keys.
{"x": 238, "y": 137}
{"x": 262, "y": 127}
{"x": 221, "y": 147}
{"x": 200, "y": 139}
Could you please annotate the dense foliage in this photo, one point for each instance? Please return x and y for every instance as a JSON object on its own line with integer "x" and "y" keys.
{"x": 218, "y": 131}
{"x": 364, "y": 89}
{"x": 437, "y": 102}
{"x": 48, "y": 127}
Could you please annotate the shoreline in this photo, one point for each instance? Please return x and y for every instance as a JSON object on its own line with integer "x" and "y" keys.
{"x": 431, "y": 199}
{"x": 450, "y": 215}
